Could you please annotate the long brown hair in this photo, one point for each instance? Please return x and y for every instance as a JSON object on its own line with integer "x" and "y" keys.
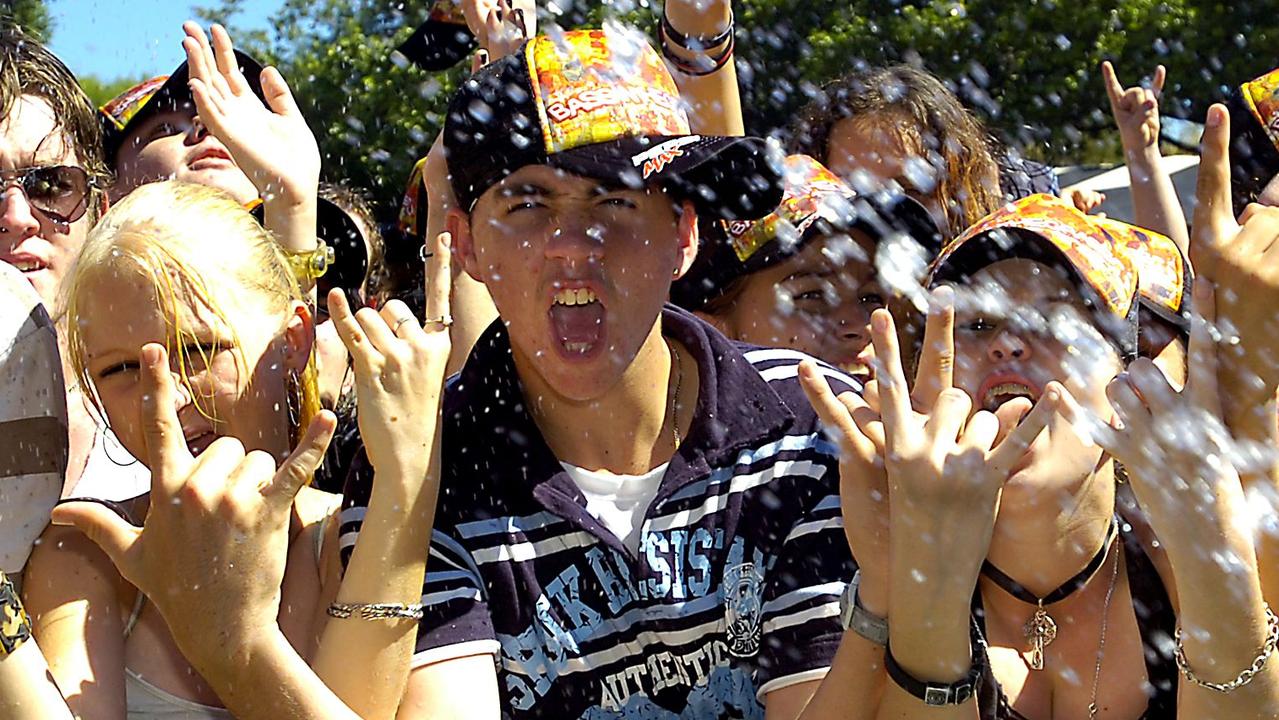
{"x": 928, "y": 122}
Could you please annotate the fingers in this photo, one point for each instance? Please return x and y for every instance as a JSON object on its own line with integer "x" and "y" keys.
{"x": 894, "y": 398}
{"x": 937, "y": 359}
{"x": 948, "y": 416}
{"x": 400, "y": 319}
{"x": 1201, "y": 358}
{"x": 227, "y": 64}
{"x": 832, "y": 411}
{"x": 104, "y": 527}
{"x": 1098, "y": 430}
{"x": 1015, "y": 444}
{"x": 1157, "y": 83}
{"x": 439, "y": 281}
{"x": 1213, "y": 207}
{"x": 349, "y": 330}
{"x": 168, "y": 457}
{"x": 1114, "y": 90}
{"x": 277, "y": 93}
{"x": 300, "y": 467}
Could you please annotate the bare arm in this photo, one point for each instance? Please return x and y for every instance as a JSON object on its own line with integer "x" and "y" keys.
{"x": 715, "y": 99}
{"x": 464, "y": 688}
{"x": 70, "y": 592}
{"x": 27, "y": 689}
{"x": 1154, "y": 199}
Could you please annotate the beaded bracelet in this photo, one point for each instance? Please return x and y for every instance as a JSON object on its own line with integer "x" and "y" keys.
{"x": 693, "y": 43}
{"x": 377, "y": 611}
{"x": 700, "y": 67}
{"x": 1248, "y": 673}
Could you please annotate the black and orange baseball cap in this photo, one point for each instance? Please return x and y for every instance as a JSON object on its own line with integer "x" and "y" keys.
{"x": 600, "y": 104}
{"x": 815, "y": 203}
{"x": 1164, "y": 275}
{"x": 1050, "y": 230}
{"x": 1254, "y": 136}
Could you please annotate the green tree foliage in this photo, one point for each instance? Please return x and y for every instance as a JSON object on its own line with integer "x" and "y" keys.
{"x": 1030, "y": 69}
{"x": 31, "y": 15}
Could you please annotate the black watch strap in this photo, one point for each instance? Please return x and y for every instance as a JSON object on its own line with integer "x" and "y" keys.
{"x": 941, "y": 694}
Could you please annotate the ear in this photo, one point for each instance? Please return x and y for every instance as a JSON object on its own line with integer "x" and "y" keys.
{"x": 299, "y": 338}
{"x": 458, "y": 224}
{"x": 104, "y": 203}
{"x": 688, "y": 239}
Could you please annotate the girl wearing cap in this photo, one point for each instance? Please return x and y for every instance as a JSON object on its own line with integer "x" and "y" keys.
{"x": 1074, "y": 606}
{"x": 805, "y": 277}
{"x": 243, "y": 379}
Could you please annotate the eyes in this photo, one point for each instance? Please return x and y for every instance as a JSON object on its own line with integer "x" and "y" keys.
{"x": 530, "y": 204}
{"x": 196, "y": 357}
{"x": 164, "y": 129}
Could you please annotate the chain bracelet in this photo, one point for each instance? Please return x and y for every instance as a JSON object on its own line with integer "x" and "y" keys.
{"x": 1245, "y": 677}
{"x": 377, "y": 611}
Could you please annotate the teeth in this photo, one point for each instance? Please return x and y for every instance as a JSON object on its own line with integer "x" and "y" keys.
{"x": 1007, "y": 389}
{"x": 27, "y": 265}
{"x": 578, "y": 296}
{"x": 577, "y": 347}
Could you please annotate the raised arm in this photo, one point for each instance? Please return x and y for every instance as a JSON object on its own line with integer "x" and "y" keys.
{"x": 211, "y": 556}
{"x": 271, "y": 141}
{"x": 1136, "y": 112}
{"x": 399, "y": 376}
{"x": 697, "y": 41}
{"x": 1193, "y": 496}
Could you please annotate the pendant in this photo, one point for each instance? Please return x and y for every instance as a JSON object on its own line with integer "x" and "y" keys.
{"x": 1040, "y": 631}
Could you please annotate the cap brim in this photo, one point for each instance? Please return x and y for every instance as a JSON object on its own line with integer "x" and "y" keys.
{"x": 173, "y": 94}
{"x": 435, "y": 45}
{"x": 729, "y": 178}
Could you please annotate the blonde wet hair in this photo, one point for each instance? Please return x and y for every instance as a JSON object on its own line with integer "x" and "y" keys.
{"x": 162, "y": 232}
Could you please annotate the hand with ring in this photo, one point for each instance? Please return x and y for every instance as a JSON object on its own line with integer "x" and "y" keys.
{"x": 399, "y": 369}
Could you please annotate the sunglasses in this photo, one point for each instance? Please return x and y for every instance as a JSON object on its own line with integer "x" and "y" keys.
{"x": 59, "y": 191}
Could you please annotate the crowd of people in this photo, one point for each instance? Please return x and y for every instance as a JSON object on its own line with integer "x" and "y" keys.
{"x": 633, "y": 414}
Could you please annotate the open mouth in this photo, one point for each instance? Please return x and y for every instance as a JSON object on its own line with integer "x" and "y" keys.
{"x": 577, "y": 321}
{"x": 211, "y": 158}
{"x": 27, "y": 265}
{"x": 994, "y": 394}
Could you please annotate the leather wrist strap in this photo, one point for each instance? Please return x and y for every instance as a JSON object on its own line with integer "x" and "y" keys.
{"x": 941, "y": 694}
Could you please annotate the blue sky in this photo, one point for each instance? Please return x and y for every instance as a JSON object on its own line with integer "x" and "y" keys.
{"x": 131, "y": 38}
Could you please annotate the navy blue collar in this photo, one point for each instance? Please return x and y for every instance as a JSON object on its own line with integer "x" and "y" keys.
{"x": 485, "y": 403}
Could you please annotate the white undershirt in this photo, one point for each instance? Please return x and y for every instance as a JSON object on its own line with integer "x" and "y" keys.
{"x": 618, "y": 502}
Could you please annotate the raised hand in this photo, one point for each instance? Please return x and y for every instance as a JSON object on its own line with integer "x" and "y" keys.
{"x": 500, "y": 26}
{"x": 270, "y": 142}
{"x": 399, "y": 368}
{"x": 212, "y": 551}
{"x": 1136, "y": 109}
{"x": 1242, "y": 258}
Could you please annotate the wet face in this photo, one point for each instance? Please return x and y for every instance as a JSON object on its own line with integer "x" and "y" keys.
{"x": 818, "y": 302}
{"x": 578, "y": 271}
{"x": 173, "y": 145}
{"x": 875, "y": 154}
{"x": 237, "y": 390}
{"x": 1018, "y": 325}
{"x": 42, "y": 247}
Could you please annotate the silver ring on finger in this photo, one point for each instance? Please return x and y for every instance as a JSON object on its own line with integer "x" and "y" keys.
{"x": 442, "y": 321}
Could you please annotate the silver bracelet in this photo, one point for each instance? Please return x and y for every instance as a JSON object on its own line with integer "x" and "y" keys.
{"x": 377, "y": 611}
{"x": 1245, "y": 677}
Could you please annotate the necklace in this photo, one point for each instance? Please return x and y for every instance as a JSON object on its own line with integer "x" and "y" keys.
{"x": 679, "y": 380}
{"x": 1101, "y": 645}
{"x": 1041, "y": 630}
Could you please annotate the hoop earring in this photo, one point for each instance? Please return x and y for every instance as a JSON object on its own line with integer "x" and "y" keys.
{"x": 292, "y": 400}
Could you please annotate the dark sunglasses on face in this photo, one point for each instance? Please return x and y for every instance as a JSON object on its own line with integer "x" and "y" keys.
{"x": 59, "y": 191}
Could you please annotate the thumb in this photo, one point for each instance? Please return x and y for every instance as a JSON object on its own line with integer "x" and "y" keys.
{"x": 104, "y": 526}
{"x": 298, "y": 469}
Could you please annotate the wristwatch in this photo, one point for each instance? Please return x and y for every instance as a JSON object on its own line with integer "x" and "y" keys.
{"x": 852, "y": 616}
{"x": 15, "y": 626}
{"x": 311, "y": 264}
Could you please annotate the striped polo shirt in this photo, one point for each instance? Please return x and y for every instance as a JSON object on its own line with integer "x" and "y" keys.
{"x": 733, "y": 593}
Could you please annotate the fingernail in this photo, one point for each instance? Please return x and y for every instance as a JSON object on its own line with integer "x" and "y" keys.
{"x": 150, "y": 354}
{"x": 943, "y": 299}
{"x": 1214, "y": 117}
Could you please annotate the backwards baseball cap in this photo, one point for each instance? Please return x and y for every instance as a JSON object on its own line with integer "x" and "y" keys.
{"x": 1254, "y": 134}
{"x": 600, "y": 104}
{"x": 128, "y": 110}
{"x": 1052, "y": 231}
{"x": 815, "y": 203}
{"x": 442, "y": 41}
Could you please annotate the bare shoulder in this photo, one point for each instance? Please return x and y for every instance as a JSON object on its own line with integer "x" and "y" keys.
{"x": 66, "y": 566}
